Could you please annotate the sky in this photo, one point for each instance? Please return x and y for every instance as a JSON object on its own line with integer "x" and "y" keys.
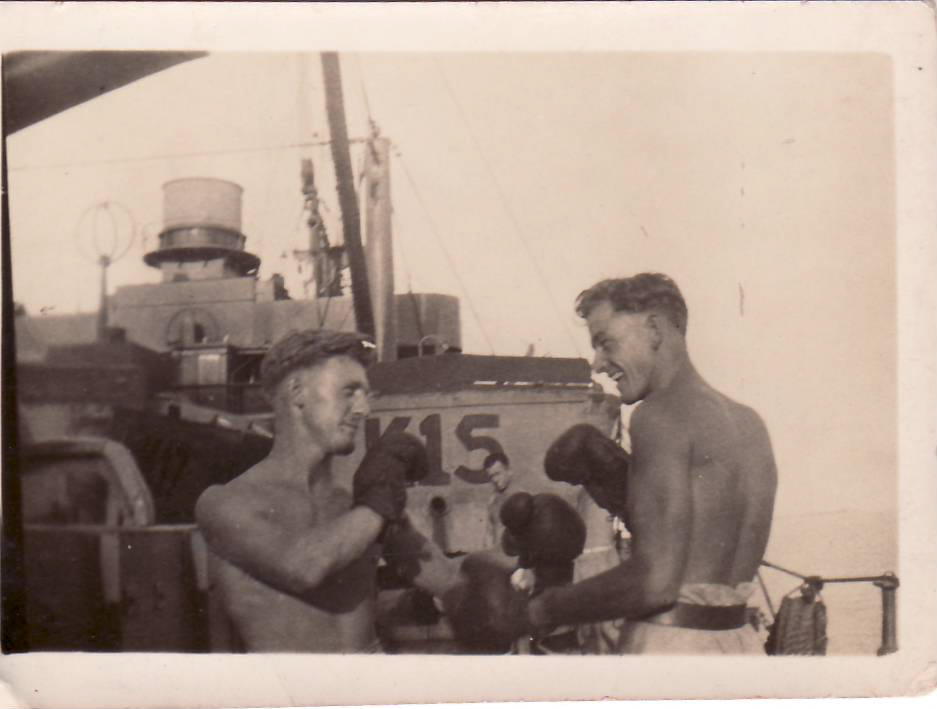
{"x": 762, "y": 183}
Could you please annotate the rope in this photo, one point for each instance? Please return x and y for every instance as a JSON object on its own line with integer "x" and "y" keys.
{"x": 783, "y": 570}
{"x": 417, "y": 316}
{"x": 364, "y": 91}
{"x": 344, "y": 317}
{"x": 445, "y": 251}
{"x": 174, "y": 156}
{"x": 507, "y": 209}
{"x": 325, "y": 312}
{"x": 764, "y": 590}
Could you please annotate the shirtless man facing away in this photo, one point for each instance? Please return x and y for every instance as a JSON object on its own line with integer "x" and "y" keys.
{"x": 700, "y": 486}
{"x": 293, "y": 555}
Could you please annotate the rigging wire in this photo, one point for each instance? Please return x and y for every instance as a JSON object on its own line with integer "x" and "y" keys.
{"x": 345, "y": 317}
{"x": 328, "y": 302}
{"x": 429, "y": 219}
{"x": 507, "y": 208}
{"x": 364, "y": 90}
{"x": 298, "y": 220}
{"x": 783, "y": 570}
{"x": 764, "y": 591}
{"x": 403, "y": 251}
{"x": 417, "y": 315}
{"x": 174, "y": 156}
{"x": 258, "y": 237}
{"x": 442, "y": 247}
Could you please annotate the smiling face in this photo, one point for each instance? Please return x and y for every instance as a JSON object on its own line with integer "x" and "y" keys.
{"x": 625, "y": 347}
{"x": 331, "y": 401}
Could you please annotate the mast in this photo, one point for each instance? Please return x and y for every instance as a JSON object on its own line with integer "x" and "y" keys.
{"x": 379, "y": 247}
{"x": 104, "y": 262}
{"x": 348, "y": 202}
{"x": 327, "y": 260}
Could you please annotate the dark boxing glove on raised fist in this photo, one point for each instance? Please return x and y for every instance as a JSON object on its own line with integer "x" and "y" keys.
{"x": 546, "y": 533}
{"x": 486, "y": 613}
{"x": 381, "y": 479}
{"x": 583, "y": 452}
{"x": 583, "y": 455}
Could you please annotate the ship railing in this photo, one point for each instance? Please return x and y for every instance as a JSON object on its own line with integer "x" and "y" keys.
{"x": 888, "y": 584}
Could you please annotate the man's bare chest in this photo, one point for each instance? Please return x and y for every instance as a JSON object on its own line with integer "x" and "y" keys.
{"x": 340, "y": 593}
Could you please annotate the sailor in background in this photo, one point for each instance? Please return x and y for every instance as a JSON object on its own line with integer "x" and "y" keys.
{"x": 697, "y": 494}
{"x": 498, "y": 468}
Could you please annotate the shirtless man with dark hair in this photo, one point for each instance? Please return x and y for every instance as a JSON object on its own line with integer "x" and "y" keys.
{"x": 697, "y": 492}
{"x": 294, "y": 555}
{"x": 498, "y": 468}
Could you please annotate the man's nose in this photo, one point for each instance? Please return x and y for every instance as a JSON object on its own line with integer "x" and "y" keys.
{"x": 362, "y": 405}
{"x": 598, "y": 363}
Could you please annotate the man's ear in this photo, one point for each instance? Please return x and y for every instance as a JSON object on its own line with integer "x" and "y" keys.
{"x": 294, "y": 391}
{"x": 655, "y": 327}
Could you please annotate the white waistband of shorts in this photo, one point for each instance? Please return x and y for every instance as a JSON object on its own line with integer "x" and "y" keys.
{"x": 597, "y": 550}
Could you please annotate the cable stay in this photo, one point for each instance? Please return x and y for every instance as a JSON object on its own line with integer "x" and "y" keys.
{"x": 518, "y": 232}
{"x": 176, "y": 156}
{"x": 443, "y": 248}
{"x": 417, "y": 315}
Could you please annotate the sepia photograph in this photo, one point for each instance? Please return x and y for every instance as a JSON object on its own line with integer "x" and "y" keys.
{"x": 487, "y": 353}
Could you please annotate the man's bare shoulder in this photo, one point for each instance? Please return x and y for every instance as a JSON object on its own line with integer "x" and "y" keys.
{"x": 658, "y": 414}
{"x": 658, "y": 428}
{"x": 251, "y": 493}
{"x": 745, "y": 419}
{"x": 699, "y": 403}
{"x": 750, "y": 419}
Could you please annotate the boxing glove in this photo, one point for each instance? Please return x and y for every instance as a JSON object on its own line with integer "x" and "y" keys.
{"x": 583, "y": 455}
{"x": 547, "y": 534}
{"x": 381, "y": 479}
{"x": 486, "y": 613}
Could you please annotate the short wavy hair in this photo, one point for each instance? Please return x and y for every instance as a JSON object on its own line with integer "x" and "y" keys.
{"x": 300, "y": 349}
{"x": 637, "y": 294}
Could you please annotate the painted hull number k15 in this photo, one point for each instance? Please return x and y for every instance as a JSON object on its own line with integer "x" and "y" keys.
{"x": 430, "y": 428}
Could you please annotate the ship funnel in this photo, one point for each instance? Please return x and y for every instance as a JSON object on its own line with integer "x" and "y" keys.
{"x": 201, "y": 235}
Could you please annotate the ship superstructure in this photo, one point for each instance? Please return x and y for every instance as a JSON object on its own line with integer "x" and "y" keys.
{"x": 206, "y": 325}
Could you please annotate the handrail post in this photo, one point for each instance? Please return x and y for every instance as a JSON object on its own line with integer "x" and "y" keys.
{"x": 889, "y": 585}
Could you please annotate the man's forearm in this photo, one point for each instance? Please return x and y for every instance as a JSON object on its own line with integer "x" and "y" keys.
{"x": 291, "y": 558}
{"x": 328, "y": 549}
{"x": 617, "y": 593}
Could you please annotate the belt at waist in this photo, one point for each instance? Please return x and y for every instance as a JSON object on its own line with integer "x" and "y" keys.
{"x": 699, "y": 617}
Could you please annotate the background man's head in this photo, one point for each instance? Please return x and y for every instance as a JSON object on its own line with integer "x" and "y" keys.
{"x": 317, "y": 382}
{"x": 630, "y": 320}
{"x": 498, "y": 468}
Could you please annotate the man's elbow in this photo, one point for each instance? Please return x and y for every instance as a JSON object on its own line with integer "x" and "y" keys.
{"x": 207, "y": 513}
{"x": 658, "y": 599}
{"x": 310, "y": 577}
{"x": 660, "y": 592}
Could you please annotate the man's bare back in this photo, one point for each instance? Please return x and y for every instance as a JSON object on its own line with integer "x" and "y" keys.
{"x": 732, "y": 477}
